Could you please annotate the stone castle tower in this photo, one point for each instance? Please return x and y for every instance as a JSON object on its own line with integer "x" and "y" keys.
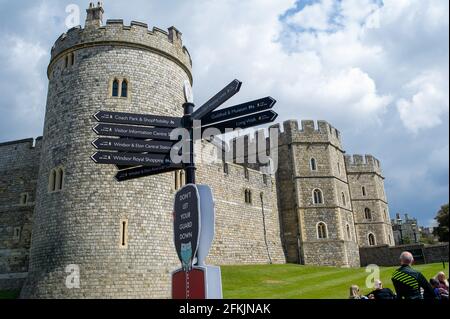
{"x": 314, "y": 197}
{"x": 116, "y": 233}
{"x": 370, "y": 207}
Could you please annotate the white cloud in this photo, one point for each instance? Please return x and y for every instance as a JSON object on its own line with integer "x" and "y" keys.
{"x": 315, "y": 16}
{"x": 429, "y": 104}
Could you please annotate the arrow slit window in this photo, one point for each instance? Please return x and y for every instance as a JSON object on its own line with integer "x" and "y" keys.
{"x": 313, "y": 164}
{"x": 248, "y": 196}
{"x": 24, "y": 198}
{"x": 124, "y": 233}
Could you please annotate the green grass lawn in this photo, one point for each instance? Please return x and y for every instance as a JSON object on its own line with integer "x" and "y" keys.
{"x": 295, "y": 281}
{"x": 9, "y": 294}
{"x": 303, "y": 282}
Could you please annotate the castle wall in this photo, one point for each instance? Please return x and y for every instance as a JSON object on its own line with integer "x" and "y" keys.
{"x": 246, "y": 233}
{"x": 19, "y": 163}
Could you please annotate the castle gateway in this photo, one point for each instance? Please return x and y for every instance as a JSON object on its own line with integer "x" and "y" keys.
{"x": 59, "y": 209}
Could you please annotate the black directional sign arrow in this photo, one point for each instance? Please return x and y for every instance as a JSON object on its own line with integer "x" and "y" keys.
{"x": 131, "y": 145}
{"x": 133, "y": 131}
{"x": 245, "y": 122}
{"x": 139, "y": 172}
{"x": 137, "y": 119}
{"x": 228, "y": 92}
{"x": 131, "y": 159}
{"x": 239, "y": 110}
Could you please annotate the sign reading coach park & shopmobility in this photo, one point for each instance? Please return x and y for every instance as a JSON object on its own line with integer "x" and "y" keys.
{"x": 187, "y": 224}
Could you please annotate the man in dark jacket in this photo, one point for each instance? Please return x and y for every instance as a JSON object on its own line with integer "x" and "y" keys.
{"x": 381, "y": 293}
{"x": 407, "y": 281}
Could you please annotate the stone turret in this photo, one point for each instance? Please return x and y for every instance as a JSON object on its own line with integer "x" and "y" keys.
{"x": 94, "y": 17}
{"x": 370, "y": 206}
{"x": 313, "y": 196}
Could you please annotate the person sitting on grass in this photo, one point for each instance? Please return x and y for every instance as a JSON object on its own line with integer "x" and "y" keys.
{"x": 443, "y": 284}
{"x": 435, "y": 284}
{"x": 355, "y": 294}
{"x": 381, "y": 293}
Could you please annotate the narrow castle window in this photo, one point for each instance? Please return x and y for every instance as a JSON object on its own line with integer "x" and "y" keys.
{"x": 322, "y": 231}
{"x": 72, "y": 59}
{"x": 318, "y": 197}
{"x": 363, "y": 191}
{"x": 367, "y": 214}
{"x": 60, "y": 179}
{"x": 372, "y": 240}
{"x": 265, "y": 179}
{"x": 56, "y": 180}
{"x": 177, "y": 181}
{"x": 66, "y": 62}
{"x": 124, "y": 233}
{"x": 24, "y": 199}
{"x": 17, "y": 233}
{"x": 52, "y": 181}
{"x": 349, "y": 235}
{"x": 124, "y": 92}
{"x": 180, "y": 179}
{"x": 248, "y": 196}
{"x": 225, "y": 168}
{"x": 344, "y": 202}
{"x": 246, "y": 173}
{"x": 313, "y": 164}
{"x": 115, "y": 88}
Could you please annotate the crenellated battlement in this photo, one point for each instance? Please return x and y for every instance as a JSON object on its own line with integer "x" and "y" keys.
{"x": 362, "y": 164}
{"x": 25, "y": 144}
{"x": 22, "y": 153}
{"x": 308, "y": 132}
{"x": 114, "y": 32}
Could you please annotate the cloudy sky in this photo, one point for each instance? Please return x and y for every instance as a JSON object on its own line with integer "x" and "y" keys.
{"x": 377, "y": 70}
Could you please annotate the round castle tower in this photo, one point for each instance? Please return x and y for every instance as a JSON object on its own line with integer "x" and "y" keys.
{"x": 118, "y": 235}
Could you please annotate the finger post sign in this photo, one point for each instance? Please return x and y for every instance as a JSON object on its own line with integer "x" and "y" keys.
{"x": 140, "y": 145}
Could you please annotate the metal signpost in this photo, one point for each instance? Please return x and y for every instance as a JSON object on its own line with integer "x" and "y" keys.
{"x": 140, "y": 145}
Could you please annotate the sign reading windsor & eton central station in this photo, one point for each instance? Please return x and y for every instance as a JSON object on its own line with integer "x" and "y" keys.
{"x": 140, "y": 145}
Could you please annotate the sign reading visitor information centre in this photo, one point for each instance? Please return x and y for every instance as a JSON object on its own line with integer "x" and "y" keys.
{"x": 140, "y": 145}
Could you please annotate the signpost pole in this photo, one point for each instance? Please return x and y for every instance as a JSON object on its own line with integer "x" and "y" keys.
{"x": 189, "y": 168}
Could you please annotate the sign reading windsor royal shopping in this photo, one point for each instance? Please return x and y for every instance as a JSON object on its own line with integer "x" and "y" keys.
{"x": 140, "y": 145}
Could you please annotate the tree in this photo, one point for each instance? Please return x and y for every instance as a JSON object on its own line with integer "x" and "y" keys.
{"x": 443, "y": 224}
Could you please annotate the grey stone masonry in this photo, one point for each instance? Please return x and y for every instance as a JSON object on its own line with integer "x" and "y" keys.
{"x": 82, "y": 223}
{"x": 369, "y": 200}
{"x": 19, "y": 163}
{"x": 316, "y": 231}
